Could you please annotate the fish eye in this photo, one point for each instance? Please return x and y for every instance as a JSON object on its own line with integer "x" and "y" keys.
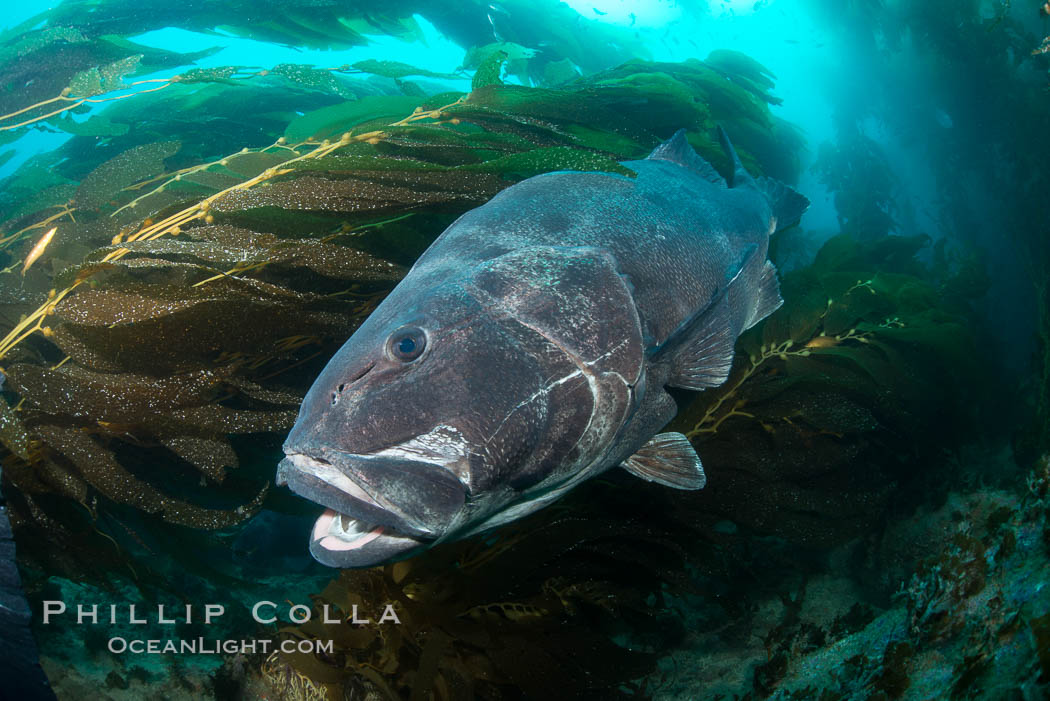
{"x": 407, "y": 343}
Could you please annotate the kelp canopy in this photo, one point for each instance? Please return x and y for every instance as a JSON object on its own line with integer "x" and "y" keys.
{"x": 215, "y": 235}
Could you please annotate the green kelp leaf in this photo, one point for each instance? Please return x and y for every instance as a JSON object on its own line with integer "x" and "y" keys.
{"x": 858, "y": 302}
{"x": 320, "y": 28}
{"x": 479, "y": 54}
{"x": 135, "y": 164}
{"x": 727, "y": 101}
{"x": 331, "y": 260}
{"x": 396, "y": 69}
{"x": 218, "y": 418}
{"x": 545, "y": 160}
{"x": 96, "y": 125}
{"x": 33, "y": 40}
{"x": 262, "y": 395}
{"x": 756, "y": 90}
{"x": 534, "y": 132}
{"x": 250, "y": 164}
{"x": 117, "y": 397}
{"x": 12, "y": 433}
{"x": 648, "y": 104}
{"x": 801, "y": 316}
{"x": 153, "y": 58}
{"x": 449, "y": 146}
{"x": 313, "y": 78}
{"x": 333, "y": 121}
{"x": 209, "y": 454}
{"x": 106, "y": 475}
{"x": 741, "y": 64}
{"x": 560, "y": 72}
{"x": 171, "y": 198}
{"x": 526, "y": 105}
{"x": 600, "y": 140}
{"x": 489, "y": 70}
{"x": 227, "y": 315}
{"x": 213, "y": 180}
{"x": 96, "y": 81}
{"x": 286, "y": 259}
{"x": 745, "y": 72}
{"x": 842, "y": 252}
{"x": 409, "y": 88}
{"x": 231, "y": 237}
{"x": 62, "y": 479}
{"x": 219, "y": 74}
{"x": 861, "y": 357}
{"x": 413, "y": 188}
{"x": 941, "y": 335}
{"x": 342, "y": 28}
{"x": 45, "y": 198}
{"x": 349, "y": 163}
{"x": 177, "y": 250}
{"x": 891, "y": 254}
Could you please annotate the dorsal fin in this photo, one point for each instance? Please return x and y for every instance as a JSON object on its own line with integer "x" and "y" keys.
{"x": 677, "y": 150}
{"x": 787, "y": 205}
{"x": 739, "y": 176}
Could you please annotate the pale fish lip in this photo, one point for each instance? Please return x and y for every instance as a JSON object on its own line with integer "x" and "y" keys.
{"x": 326, "y": 472}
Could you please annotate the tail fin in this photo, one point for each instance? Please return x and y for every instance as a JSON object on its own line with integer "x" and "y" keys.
{"x": 788, "y": 206}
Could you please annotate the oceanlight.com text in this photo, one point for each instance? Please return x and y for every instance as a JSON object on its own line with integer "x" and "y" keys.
{"x": 214, "y": 646}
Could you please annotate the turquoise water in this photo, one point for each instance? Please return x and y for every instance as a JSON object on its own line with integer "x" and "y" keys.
{"x": 200, "y": 203}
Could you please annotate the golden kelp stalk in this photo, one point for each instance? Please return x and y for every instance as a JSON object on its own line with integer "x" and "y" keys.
{"x": 714, "y": 416}
{"x": 15, "y": 236}
{"x": 173, "y": 224}
{"x": 74, "y": 102}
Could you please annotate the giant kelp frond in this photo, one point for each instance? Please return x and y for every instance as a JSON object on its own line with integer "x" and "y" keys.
{"x": 188, "y": 403}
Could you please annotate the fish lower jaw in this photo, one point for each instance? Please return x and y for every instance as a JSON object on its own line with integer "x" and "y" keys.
{"x": 338, "y": 532}
{"x": 352, "y": 540}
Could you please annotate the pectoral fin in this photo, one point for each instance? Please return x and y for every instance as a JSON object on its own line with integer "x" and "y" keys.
{"x": 668, "y": 459}
{"x": 700, "y": 351}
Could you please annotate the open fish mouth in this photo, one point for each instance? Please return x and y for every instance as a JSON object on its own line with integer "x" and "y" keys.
{"x": 378, "y": 508}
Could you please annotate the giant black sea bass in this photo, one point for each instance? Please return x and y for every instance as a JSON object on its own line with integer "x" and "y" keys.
{"x": 530, "y": 348}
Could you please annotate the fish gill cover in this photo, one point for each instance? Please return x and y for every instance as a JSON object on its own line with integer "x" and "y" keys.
{"x": 177, "y": 272}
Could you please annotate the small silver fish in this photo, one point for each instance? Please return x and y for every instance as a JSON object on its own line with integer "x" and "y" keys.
{"x": 38, "y": 249}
